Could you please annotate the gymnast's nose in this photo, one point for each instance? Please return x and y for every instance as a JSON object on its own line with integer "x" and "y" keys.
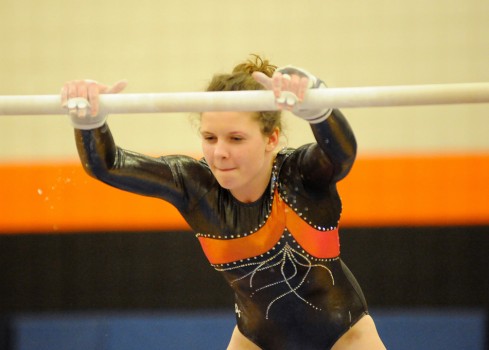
{"x": 221, "y": 149}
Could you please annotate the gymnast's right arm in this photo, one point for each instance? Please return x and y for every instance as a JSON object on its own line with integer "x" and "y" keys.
{"x": 157, "y": 177}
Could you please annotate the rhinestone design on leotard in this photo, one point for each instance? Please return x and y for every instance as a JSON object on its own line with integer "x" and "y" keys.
{"x": 278, "y": 257}
{"x": 280, "y": 236}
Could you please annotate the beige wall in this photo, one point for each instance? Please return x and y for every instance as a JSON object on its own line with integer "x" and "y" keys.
{"x": 177, "y": 45}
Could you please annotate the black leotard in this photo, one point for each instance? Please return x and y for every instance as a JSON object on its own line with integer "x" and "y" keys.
{"x": 279, "y": 254}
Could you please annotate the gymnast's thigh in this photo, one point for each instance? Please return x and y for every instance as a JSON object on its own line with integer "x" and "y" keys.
{"x": 363, "y": 335}
{"x": 240, "y": 342}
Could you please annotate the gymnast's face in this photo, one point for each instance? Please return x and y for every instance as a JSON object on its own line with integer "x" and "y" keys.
{"x": 239, "y": 155}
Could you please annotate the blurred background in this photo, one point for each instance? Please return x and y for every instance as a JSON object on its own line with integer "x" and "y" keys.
{"x": 85, "y": 266}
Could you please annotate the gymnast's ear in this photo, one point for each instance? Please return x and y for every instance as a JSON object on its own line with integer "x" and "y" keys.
{"x": 273, "y": 140}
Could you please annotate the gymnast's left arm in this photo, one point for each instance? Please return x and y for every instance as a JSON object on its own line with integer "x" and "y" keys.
{"x": 335, "y": 138}
{"x": 335, "y": 149}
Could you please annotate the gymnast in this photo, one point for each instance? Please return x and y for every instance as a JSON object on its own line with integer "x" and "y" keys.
{"x": 266, "y": 218}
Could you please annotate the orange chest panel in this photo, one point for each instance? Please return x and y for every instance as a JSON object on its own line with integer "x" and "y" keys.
{"x": 320, "y": 243}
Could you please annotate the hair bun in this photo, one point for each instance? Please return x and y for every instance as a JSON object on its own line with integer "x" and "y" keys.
{"x": 255, "y": 64}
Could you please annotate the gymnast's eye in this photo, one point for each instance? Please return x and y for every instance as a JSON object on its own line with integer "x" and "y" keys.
{"x": 208, "y": 137}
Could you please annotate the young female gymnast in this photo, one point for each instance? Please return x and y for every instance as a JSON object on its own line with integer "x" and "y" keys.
{"x": 267, "y": 219}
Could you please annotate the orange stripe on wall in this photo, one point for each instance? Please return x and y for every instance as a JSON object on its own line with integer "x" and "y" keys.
{"x": 417, "y": 190}
{"x": 63, "y": 198}
{"x": 380, "y": 191}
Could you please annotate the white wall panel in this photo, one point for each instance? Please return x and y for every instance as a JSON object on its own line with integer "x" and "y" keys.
{"x": 178, "y": 45}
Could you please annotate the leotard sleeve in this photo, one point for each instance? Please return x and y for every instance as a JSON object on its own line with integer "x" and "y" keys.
{"x": 163, "y": 177}
{"x": 332, "y": 156}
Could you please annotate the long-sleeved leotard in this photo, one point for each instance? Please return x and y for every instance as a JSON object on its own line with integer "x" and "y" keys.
{"x": 279, "y": 254}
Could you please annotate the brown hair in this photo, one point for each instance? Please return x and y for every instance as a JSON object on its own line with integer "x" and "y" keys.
{"x": 241, "y": 79}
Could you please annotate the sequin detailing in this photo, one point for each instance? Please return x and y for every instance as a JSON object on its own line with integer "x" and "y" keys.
{"x": 284, "y": 249}
{"x": 315, "y": 242}
{"x": 286, "y": 255}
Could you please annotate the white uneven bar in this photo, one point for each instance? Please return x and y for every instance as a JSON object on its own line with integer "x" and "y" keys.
{"x": 382, "y": 96}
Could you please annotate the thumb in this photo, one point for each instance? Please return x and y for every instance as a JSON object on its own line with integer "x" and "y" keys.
{"x": 263, "y": 79}
{"x": 117, "y": 87}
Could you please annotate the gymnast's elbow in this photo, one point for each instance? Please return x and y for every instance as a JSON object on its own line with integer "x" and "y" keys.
{"x": 96, "y": 170}
{"x": 345, "y": 158}
{"x": 96, "y": 156}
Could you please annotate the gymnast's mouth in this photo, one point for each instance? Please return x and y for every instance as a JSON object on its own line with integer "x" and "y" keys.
{"x": 225, "y": 169}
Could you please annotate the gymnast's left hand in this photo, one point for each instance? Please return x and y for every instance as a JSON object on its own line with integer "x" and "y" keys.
{"x": 289, "y": 85}
{"x": 288, "y": 89}
{"x": 81, "y": 98}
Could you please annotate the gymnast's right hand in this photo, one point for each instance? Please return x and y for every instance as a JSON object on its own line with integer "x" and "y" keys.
{"x": 81, "y": 98}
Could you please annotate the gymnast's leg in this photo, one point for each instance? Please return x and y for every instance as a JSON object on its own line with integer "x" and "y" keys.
{"x": 240, "y": 342}
{"x": 363, "y": 335}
